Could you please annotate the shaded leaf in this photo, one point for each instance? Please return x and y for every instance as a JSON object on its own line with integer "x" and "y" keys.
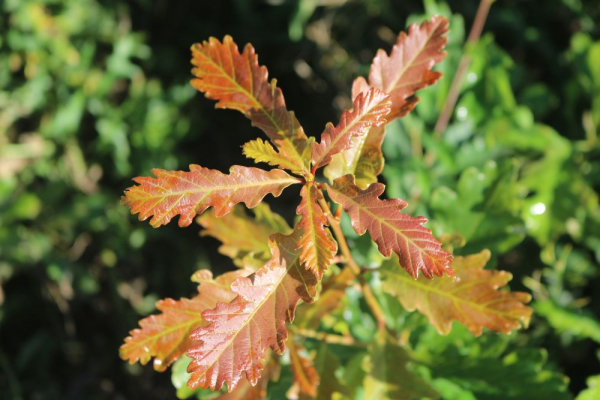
{"x": 408, "y": 66}
{"x": 370, "y": 109}
{"x": 238, "y": 82}
{"x": 388, "y": 377}
{"x": 240, "y": 332}
{"x": 166, "y": 336}
{"x": 190, "y": 193}
{"x": 326, "y": 364}
{"x": 331, "y": 298}
{"x": 473, "y": 299}
{"x": 244, "y": 237}
{"x": 565, "y": 320}
{"x": 520, "y": 375}
{"x": 306, "y": 379}
{"x": 317, "y": 244}
{"x": 392, "y": 230}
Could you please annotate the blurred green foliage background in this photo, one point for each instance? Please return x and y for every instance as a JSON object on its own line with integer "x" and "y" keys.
{"x": 95, "y": 92}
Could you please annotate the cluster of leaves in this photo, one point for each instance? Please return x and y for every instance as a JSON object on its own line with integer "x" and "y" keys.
{"x": 92, "y": 90}
{"x": 229, "y": 327}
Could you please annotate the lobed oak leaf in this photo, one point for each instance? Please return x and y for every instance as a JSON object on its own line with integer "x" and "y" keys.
{"x": 244, "y": 237}
{"x": 369, "y": 110}
{"x": 392, "y": 230}
{"x": 408, "y": 67}
{"x": 190, "y": 193}
{"x": 165, "y": 336}
{"x": 473, "y": 299}
{"x": 262, "y": 151}
{"x": 317, "y": 244}
{"x": 306, "y": 379}
{"x": 364, "y": 159}
{"x": 238, "y": 82}
{"x": 406, "y": 70}
{"x": 240, "y": 332}
{"x": 246, "y": 391}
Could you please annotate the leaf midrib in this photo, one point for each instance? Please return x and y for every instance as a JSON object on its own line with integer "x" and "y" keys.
{"x": 408, "y": 65}
{"x": 256, "y": 309}
{"x": 356, "y": 121}
{"x": 455, "y": 299}
{"x": 208, "y": 190}
{"x": 382, "y": 221}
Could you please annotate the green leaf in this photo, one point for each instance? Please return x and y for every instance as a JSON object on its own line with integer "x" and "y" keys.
{"x": 388, "y": 377}
{"x": 579, "y": 325}
{"x": 593, "y": 390}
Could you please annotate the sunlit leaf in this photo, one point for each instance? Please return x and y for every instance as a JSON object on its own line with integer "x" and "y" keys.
{"x": 593, "y": 390}
{"x": 190, "y": 193}
{"x": 406, "y": 70}
{"x": 166, "y": 336}
{"x": 392, "y": 230}
{"x": 238, "y": 82}
{"x": 317, "y": 244}
{"x": 408, "y": 66}
{"x": 262, "y": 151}
{"x": 473, "y": 299}
{"x": 244, "y": 237}
{"x": 369, "y": 110}
{"x": 247, "y": 391}
{"x": 240, "y": 332}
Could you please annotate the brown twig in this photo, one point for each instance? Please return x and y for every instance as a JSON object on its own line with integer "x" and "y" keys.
{"x": 366, "y": 289}
{"x": 326, "y": 337}
{"x": 463, "y": 67}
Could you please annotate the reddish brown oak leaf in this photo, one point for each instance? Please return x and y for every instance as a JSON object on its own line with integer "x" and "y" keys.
{"x": 370, "y": 109}
{"x": 190, "y": 193}
{"x": 238, "y": 82}
{"x": 473, "y": 299}
{"x": 392, "y": 230}
{"x": 364, "y": 159}
{"x": 306, "y": 379}
{"x": 166, "y": 336}
{"x": 244, "y": 237}
{"x": 240, "y": 332}
{"x": 406, "y": 70}
{"x": 408, "y": 67}
{"x": 316, "y": 242}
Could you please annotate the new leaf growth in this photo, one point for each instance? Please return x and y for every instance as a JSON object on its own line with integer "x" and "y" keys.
{"x": 230, "y": 326}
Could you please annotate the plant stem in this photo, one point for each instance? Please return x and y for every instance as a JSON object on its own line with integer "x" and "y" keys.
{"x": 366, "y": 289}
{"x": 326, "y": 337}
{"x": 463, "y": 67}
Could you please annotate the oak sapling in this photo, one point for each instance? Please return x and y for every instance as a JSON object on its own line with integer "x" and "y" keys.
{"x": 229, "y": 327}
